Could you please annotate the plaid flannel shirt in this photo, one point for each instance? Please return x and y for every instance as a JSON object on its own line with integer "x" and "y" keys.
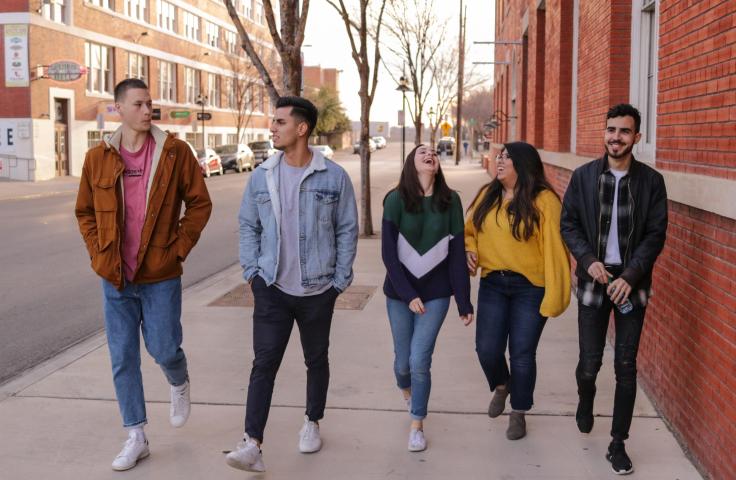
{"x": 592, "y": 293}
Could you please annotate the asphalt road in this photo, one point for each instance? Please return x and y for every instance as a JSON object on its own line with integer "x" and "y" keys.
{"x": 49, "y": 297}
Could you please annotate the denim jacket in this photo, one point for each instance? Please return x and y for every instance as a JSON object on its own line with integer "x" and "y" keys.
{"x": 328, "y": 224}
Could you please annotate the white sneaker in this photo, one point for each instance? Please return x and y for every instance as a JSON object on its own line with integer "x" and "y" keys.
{"x": 134, "y": 449}
{"x": 417, "y": 442}
{"x": 180, "y": 405}
{"x": 246, "y": 456}
{"x": 309, "y": 439}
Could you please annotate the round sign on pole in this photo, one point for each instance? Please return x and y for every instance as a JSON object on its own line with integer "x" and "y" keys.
{"x": 65, "y": 71}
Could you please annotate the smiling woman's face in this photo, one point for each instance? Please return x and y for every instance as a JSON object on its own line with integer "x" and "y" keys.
{"x": 426, "y": 161}
{"x": 505, "y": 171}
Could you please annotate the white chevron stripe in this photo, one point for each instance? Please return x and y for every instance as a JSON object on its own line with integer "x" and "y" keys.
{"x": 420, "y": 265}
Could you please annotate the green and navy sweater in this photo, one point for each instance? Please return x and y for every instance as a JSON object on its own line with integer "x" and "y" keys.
{"x": 424, "y": 252}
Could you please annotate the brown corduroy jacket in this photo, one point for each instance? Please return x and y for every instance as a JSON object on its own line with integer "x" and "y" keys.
{"x": 167, "y": 236}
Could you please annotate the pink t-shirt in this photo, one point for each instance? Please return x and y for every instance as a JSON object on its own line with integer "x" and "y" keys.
{"x": 135, "y": 183}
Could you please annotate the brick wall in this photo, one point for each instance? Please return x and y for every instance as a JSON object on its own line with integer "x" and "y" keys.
{"x": 697, "y": 85}
{"x": 603, "y": 68}
{"x": 688, "y": 353}
{"x": 557, "y": 88}
{"x": 16, "y": 101}
{"x": 535, "y": 90}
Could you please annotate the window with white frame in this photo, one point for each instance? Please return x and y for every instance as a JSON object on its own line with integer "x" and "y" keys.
{"x": 98, "y": 60}
{"x": 230, "y": 84}
{"x": 191, "y": 26}
{"x": 191, "y": 84}
{"x": 55, "y": 10}
{"x": 259, "y": 17}
{"x": 232, "y": 138}
{"x": 213, "y": 90}
{"x": 135, "y": 9}
{"x": 231, "y": 42}
{"x": 213, "y": 34}
{"x": 94, "y": 137}
{"x": 644, "y": 72}
{"x": 109, "y": 4}
{"x": 246, "y": 9}
{"x": 214, "y": 140}
{"x": 167, "y": 81}
{"x": 166, "y": 15}
{"x": 137, "y": 66}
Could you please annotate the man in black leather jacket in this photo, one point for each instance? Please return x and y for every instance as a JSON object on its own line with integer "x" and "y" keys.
{"x": 614, "y": 221}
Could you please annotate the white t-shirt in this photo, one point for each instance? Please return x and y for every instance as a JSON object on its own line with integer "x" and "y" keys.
{"x": 613, "y": 253}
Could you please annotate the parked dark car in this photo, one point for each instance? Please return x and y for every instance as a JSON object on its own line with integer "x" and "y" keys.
{"x": 262, "y": 149}
{"x": 447, "y": 145}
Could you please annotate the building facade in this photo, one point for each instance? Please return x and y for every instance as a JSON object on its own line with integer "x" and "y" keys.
{"x": 188, "y": 52}
{"x": 560, "y": 65}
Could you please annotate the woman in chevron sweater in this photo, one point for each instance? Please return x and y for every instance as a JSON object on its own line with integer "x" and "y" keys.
{"x": 424, "y": 253}
{"x": 513, "y": 234}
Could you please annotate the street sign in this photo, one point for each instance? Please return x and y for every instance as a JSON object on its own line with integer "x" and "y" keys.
{"x": 445, "y": 127}
{"x": 401, "y": 118}
{"x": 156, "y": 114}
{"x": 180, "y": 114}
{"x": 65, "y": 71}
{"x": 204, "y": 116}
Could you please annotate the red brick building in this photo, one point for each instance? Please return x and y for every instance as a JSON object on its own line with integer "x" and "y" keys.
{"x": 180, "y": 48}
{"x": 561, "y": 65}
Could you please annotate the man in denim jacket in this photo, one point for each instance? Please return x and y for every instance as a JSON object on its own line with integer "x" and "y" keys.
{"x": 298, "y": 239}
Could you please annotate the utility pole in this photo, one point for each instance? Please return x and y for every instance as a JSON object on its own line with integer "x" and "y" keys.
{"x": 460, "y": 80}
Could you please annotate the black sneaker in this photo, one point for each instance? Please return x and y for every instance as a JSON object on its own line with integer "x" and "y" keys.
{"x": 584, "y": 414}
{"x": 620, "y": 462}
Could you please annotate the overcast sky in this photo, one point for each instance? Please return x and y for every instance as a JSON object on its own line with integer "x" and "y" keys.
{"x": 330, "y": 48}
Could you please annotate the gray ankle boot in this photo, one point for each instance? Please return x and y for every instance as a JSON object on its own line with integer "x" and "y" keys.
{"x": 498, "y": 402}
{"x": 517, "y": 426}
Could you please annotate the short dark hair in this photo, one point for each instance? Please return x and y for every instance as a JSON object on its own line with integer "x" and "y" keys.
{"x": 128, "y": 84}
{"x": 302, "y": 108}
{"x": 625, "y": 110}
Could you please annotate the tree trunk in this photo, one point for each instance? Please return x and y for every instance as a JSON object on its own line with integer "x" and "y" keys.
{"x": 418, "y": 131}
{"x": 365, "y": 161}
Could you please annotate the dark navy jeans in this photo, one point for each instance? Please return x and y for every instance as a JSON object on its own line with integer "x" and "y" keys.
{"x": 274, "y": 315}
{"x": 508, "y": 313}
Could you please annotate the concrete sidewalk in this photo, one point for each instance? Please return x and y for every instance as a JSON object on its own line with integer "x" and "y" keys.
{"x": 62, "y": 420}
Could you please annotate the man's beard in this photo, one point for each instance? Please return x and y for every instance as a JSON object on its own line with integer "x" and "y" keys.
{"x": 625, "y": 151}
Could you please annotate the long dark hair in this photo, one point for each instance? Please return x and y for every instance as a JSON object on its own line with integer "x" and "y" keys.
{"x": 411, "y": 191}
{"x": 522, "y": 211}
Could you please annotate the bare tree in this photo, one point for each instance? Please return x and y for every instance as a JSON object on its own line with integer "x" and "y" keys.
{"x": 360, "y": 29}
{"x": 445, "y": 72}
{"x": 477, "y": 110}
{"x": 418, "y": 33}
{"x": 288, "y": 44}
{"x": 243, "y": 90}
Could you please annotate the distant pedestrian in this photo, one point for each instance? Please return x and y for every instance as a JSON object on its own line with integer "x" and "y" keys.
{"x": 614, "y": 221}
{"x": 298, "y": 239}
{"x": 466, "y": 144}
{"x": 423, "y": 250}
{"x": 128, "y": 208}
{"x": 513, "y": 234}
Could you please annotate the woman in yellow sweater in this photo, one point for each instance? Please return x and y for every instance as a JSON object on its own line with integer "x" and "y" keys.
{"x": 513, "y": 234}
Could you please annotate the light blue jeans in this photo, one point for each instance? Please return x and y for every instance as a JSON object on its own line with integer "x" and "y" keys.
{"x": 414, "y": 339}
{"x": 155, "y": 310}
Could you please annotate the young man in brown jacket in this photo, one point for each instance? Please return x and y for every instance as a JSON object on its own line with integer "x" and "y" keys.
{"x": 128, "y": 208}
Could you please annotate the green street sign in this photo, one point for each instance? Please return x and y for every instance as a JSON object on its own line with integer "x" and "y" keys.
{"x": 180, "y": 114}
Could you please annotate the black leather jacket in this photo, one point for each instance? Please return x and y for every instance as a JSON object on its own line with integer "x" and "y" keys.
{"x": 581, "y": 213}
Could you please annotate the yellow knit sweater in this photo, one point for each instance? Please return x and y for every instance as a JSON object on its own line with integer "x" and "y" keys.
{"x": 543, "y": 259}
